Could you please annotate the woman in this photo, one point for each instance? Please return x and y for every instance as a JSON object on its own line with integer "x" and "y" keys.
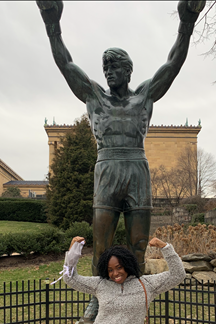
{"x": 118, "y": 289}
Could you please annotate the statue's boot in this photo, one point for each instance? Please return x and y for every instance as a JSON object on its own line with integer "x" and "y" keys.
{"x": 90, "y": 312}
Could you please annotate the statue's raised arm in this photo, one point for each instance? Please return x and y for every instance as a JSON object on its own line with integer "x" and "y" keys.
{"x": 77, "y": 80}
{"x": 162, "y": 80}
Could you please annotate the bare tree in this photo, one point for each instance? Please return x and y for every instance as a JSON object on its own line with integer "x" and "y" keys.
{"x": 170, "y": 184}
{"x": 208, "y": 28}
{"x": 206, "y": 173}
{"x": 173, "y": 183}
{"x": 187, "y": 164}
{"x": 205, "y": 28}
{"x": 213, "y": 188}
{"x": 200, "y": 168}
{"x": 194, "y": 175}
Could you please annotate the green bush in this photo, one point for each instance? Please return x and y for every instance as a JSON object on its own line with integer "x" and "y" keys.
{"x": 85, "y": 230}
{"x": 198, "y": 218}
{"x": 70, "y": 191}
{"x": 51, "y": 240}
{"x": 23, "y": 243}
{"x": 3, "y": 245}
{"x": 12, "y": 199}
{"x": 23, "y": 210}
{"x": 191, "y": 208}
{"x": 79, "y": 229}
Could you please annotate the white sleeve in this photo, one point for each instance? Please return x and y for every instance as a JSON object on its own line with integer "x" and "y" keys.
{"x": 73, "y": 255}
{"x": 169, "y": 279}
{"x": 71, "y": 258}
{"x": 72, "y": 278}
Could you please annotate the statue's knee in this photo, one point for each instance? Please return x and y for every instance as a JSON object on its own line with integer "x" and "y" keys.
{"x": 139, "y": 250}
{"x": 141, "y": 245}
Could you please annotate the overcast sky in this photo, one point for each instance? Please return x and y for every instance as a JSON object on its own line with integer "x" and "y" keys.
{"x": 33, "y": 88}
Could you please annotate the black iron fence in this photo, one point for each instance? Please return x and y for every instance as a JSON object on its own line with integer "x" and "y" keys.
{"x": 38, "y": 302}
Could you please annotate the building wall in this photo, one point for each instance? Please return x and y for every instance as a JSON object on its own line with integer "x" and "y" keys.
{"x": 6, "y": 174}
{"x": 162, "y": 145}
{"x": 55, "y": 133}
{"x": 24, "y": 189}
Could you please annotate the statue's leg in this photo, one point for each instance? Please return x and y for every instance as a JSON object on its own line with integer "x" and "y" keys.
{"x": 104, "y": 226}
{"x": 137, "y": 226}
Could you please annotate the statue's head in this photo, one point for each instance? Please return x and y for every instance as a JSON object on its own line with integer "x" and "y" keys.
{"x": 118, "y": 55}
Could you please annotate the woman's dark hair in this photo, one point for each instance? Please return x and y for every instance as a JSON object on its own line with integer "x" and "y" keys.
{"x": 126, "y": 259}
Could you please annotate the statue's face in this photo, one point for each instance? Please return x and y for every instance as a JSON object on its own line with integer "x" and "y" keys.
{"x": 115, "y": 74}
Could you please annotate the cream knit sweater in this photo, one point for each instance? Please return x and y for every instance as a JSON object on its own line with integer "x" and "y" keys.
{"x": 125, "y": 303}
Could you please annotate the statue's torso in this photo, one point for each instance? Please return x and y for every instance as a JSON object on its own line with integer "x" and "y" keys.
{"x": 119, "y": 123}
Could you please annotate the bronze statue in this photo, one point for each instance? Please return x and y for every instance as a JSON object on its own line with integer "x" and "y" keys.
{"x": 120, "y": 120}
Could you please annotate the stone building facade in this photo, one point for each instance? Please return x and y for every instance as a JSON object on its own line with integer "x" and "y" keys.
{"x": 7, "y": 174}
{"x": 28, "y": 189}
{"x": 9, "y": 178}
{"x": 162, "y": 145}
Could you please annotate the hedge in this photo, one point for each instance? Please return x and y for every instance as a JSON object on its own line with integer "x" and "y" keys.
{"x": 49, "y": 240}
{"x": 12, "y": 199}
{"x": 23, "y": 210}
{"x": 52, "y": 240}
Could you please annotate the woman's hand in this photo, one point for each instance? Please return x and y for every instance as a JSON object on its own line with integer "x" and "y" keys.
{"x": 155, "y": 242}
{"x": 76, "y": 239}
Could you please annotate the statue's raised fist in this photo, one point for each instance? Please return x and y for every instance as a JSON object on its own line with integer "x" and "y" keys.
{"x": 50, "y": 11}
{"x": 196, "y": 6}
{"x": 44, "y": 5}
{"x": 189, "y": 10}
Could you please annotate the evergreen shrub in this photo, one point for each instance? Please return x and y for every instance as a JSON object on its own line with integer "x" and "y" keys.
{"x": 79, "y": 229}
{"x": 50, "y": 240}
{"x": 23, "y": 210}
{"x": 70, "y": 191}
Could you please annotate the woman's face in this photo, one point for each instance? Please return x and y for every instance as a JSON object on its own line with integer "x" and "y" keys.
{"x": 115, "y": 271}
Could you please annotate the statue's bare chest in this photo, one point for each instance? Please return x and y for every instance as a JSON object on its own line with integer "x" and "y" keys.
{"x": 122, "y": 119}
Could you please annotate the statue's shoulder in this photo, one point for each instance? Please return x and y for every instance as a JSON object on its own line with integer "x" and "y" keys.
{"x": 143, "y": 87}
{"x": 97, "y": 88}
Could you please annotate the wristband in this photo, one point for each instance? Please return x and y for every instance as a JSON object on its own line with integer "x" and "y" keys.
{"x": 186, "y": 28}
{"x": 53, "y": 29}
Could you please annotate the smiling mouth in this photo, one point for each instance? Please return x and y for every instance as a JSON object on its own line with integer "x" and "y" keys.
{"x": 118, "y": 279}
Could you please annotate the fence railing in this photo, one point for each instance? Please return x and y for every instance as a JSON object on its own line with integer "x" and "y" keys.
{"x": 38, "y": 302}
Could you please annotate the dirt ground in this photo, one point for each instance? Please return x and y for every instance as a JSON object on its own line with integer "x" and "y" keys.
{"x": 19, "y": 261}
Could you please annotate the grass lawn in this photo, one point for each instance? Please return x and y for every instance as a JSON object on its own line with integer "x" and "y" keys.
{"x": 21, "y": 227}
